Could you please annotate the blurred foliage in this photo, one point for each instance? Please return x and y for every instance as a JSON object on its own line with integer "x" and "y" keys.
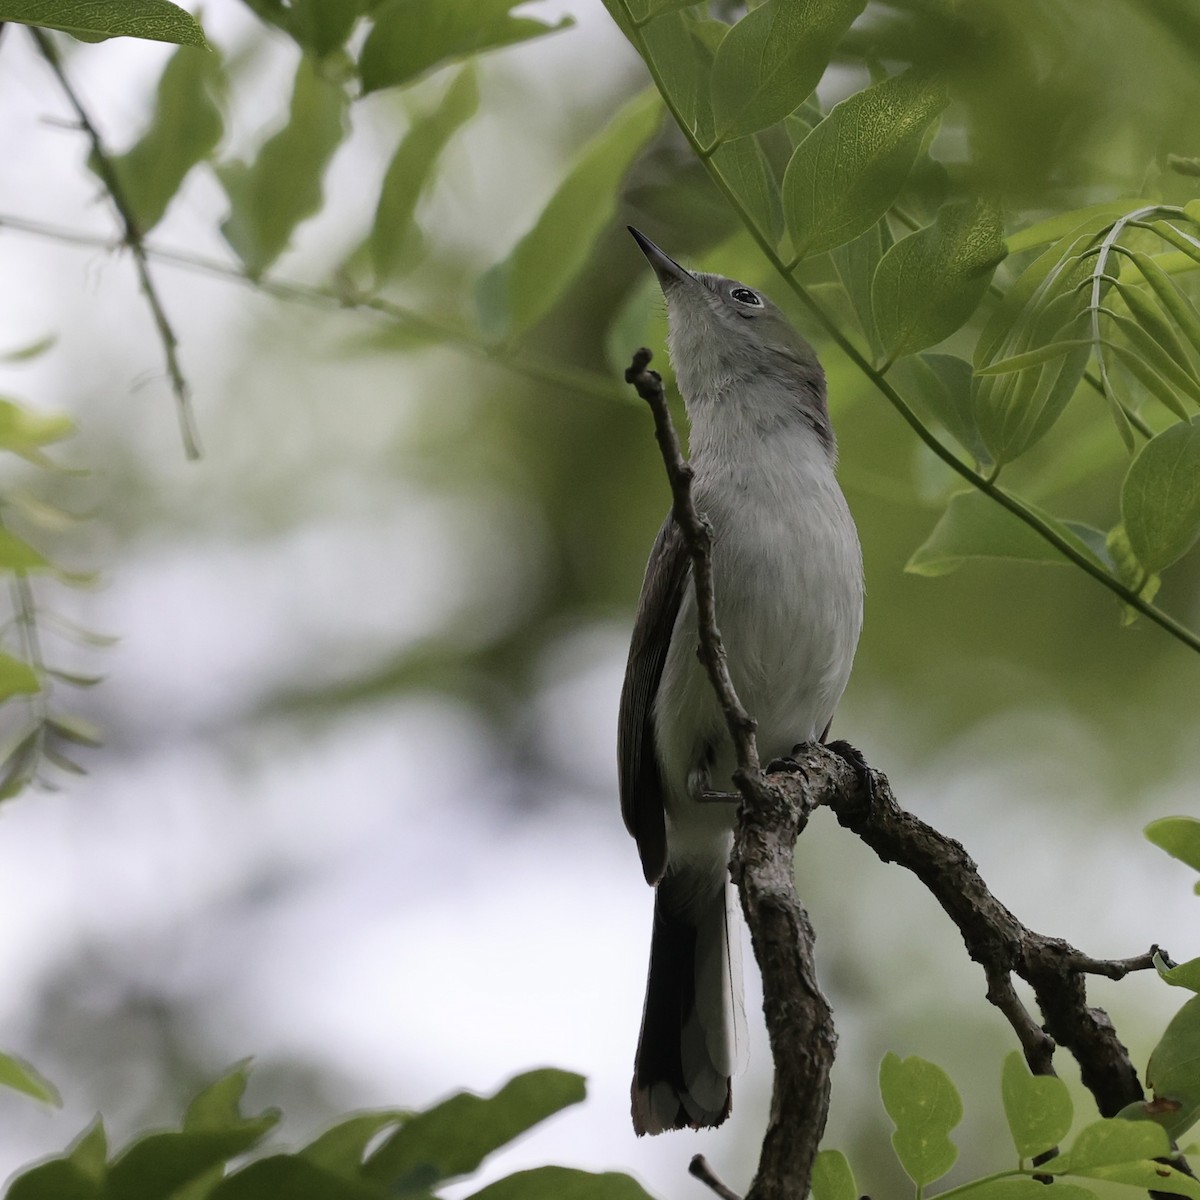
{"x": 984, "y": 217}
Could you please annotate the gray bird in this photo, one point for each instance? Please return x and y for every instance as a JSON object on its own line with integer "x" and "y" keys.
{"x": 789, "y": 592}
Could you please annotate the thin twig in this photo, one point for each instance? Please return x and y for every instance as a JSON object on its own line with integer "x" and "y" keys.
{"x": 132, "y": 238}
{"x": 701, "y": 1170}
{"x": 798, "y": 1017}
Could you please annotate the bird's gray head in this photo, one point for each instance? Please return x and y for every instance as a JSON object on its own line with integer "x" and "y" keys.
{"x": 730, "y": 345}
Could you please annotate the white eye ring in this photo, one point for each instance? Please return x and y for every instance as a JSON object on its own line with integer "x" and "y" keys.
{"x": 743, "y": 295}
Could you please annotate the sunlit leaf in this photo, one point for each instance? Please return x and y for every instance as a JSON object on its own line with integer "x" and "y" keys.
{"x": 929, "y": 283}
{"x": 974, "y": 526}
{"x": 1108, "y": 1142}
{"x": 832, "y": 1178}
{"x": 270, "y": 196}
{"x": 1038, "y": 1107}
{"x": 524, "y": 287}
{"x": 412, "y": 37}
{"x": 457, "y": 1135}
{"x": 1184, "y": 975}
{"x": 846, "y": 174}
{"x": 1147, "y": 1176}
{"x": 1179, "y": 837}
{"x": 772, "y": 59}
{"x": 154, "y": 20}
{"x": 1160, "y": 498}
{"x": 562, "y": 1183}
{"x": 410, "y": 168}
{"x": 17, "y": 1074}
{"x": 184, "y": 130}
{"x": 925, "y": 1106}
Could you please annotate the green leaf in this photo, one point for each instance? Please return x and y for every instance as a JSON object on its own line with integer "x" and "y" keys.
{"x": 562, "y": 1183}
{"x": 744, "y": 166}
{"x": 1173, "y": 1072}
{"x": 184, "y": 130}
{"x": 832, "y": 1178}
{"x": 23, "y": 429}
{"x": 1038, "y": 1107}
{"x": 683, "y": 62}
{"x": 457, "y": 1135}
{"x": 17, "y": 1074}
{"x": 1180, "y": 308}
{"x": 772, "y": 59}
{"x": 1147, "y": 1176}
{"x": 21, "y": 764}
{"x": 1184, "y": 975}
{"x": 924, "y": 1105}
{"x": 343, "y": 1147}
{"x": 30, "y": 350}
{"x": 1160, "y": 498}
{"x": 848, "y": 172}
{"x": 941, "y": 383}
{"x": 649, "y": 10}
{"x": 77, "y": 1175}
{"x": 1179, "y": 837}
{"x": 1061, "y": 224}
{"x": 288, "y": 1177}
{"x": 17, "y": 678}
{"x": 154, "y": 20}
{"x": 856, "y": 262}
{"x": 409, "y": 171}
{"x": 17, "y": 555}
{"x": 515, "y": 293}
{"x": 76, "y": 730}
{"x": 1108, "y": 1142}
{"x": 974, "y": 526}
{"x": 272, "y": 195}
{"x": 318, "y": 26}
{"x": 1022, "y": 1189}
{"x": 412, "y": 37}
{"x": 929, "y": 283}
{"x": 1033, "y": 358}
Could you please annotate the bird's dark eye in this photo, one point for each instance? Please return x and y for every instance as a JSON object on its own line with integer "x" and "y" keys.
{"x": 746, "y": 296}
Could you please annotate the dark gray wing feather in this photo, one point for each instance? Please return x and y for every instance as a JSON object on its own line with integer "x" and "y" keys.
{"x": 643, "y": 803}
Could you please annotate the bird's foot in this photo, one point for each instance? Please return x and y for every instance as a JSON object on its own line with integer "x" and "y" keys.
{"x": 854, "y": 759}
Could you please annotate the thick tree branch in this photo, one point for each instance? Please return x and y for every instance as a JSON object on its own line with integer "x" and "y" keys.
{"x": 799, "y": 1019}
{"x": 132, "y": 237}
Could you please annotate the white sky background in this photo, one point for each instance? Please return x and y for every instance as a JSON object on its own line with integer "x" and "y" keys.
{"x": 408, "y": 931}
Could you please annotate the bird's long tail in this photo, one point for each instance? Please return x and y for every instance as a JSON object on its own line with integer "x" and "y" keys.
{"x": 692, "y": 1023}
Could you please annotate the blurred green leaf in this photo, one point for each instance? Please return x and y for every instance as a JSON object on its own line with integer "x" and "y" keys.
{"x": 21, "y": 764}
{"x": 1106, "y": 1143}
{"x": 924, "y": 1105}
{"x": 1054, "y": 228}
{"x": 76, "y": 730}
{"x": 562, "y": 1183}
{"x": 79, "y": 1174}
{"x": 342, "y": 1148}
{"x": 745, "y": 168}
{"x": 974, "y": 526}
{"x": 34, "y": 349}
{"x": 1038, "y": 1107}
{"x": 17, "y": 678}
{"x": 832, "y": 1178}
{"x": 154, "y": 20}
{"x": 1179, "y": 837}
{"x": 1160, "y": 498}
{"x": 457, "y": 1135}
{"x": 184, "y": 130}
{"x": 17, "y": 1074}
{"x": 1147, "y": 1176}
{"x": 289, "y": 1177}
{"x": 282, "y": 186}
{"x": 848, "y": 172}
{"x": 772, "y": 59}
{"x": 412, "y": 37}
{"x": 515, "y": 293}
{"x": 318, "y": 26}
{"x": 929, "y": 283}
{"x": 410, "y": 168}
{"x": 23, "y": 429}
{"x": 158, "y": 1164}
{"x": 1022, "y": 1189}
{"x": 649, "y": 10}
{"x": 17, "y": 555}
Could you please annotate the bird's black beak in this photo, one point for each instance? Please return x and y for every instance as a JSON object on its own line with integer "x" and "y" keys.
{"x": 669, "y": 272}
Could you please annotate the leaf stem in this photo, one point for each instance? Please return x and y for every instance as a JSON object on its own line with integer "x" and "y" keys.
{"x": 133, "y": 239}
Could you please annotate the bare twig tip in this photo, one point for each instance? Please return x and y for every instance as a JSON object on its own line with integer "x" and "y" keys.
{"x": 701, "y": 1170}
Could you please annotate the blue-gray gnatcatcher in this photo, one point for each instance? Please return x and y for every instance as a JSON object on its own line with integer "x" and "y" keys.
{"x": 789, "y": 589}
